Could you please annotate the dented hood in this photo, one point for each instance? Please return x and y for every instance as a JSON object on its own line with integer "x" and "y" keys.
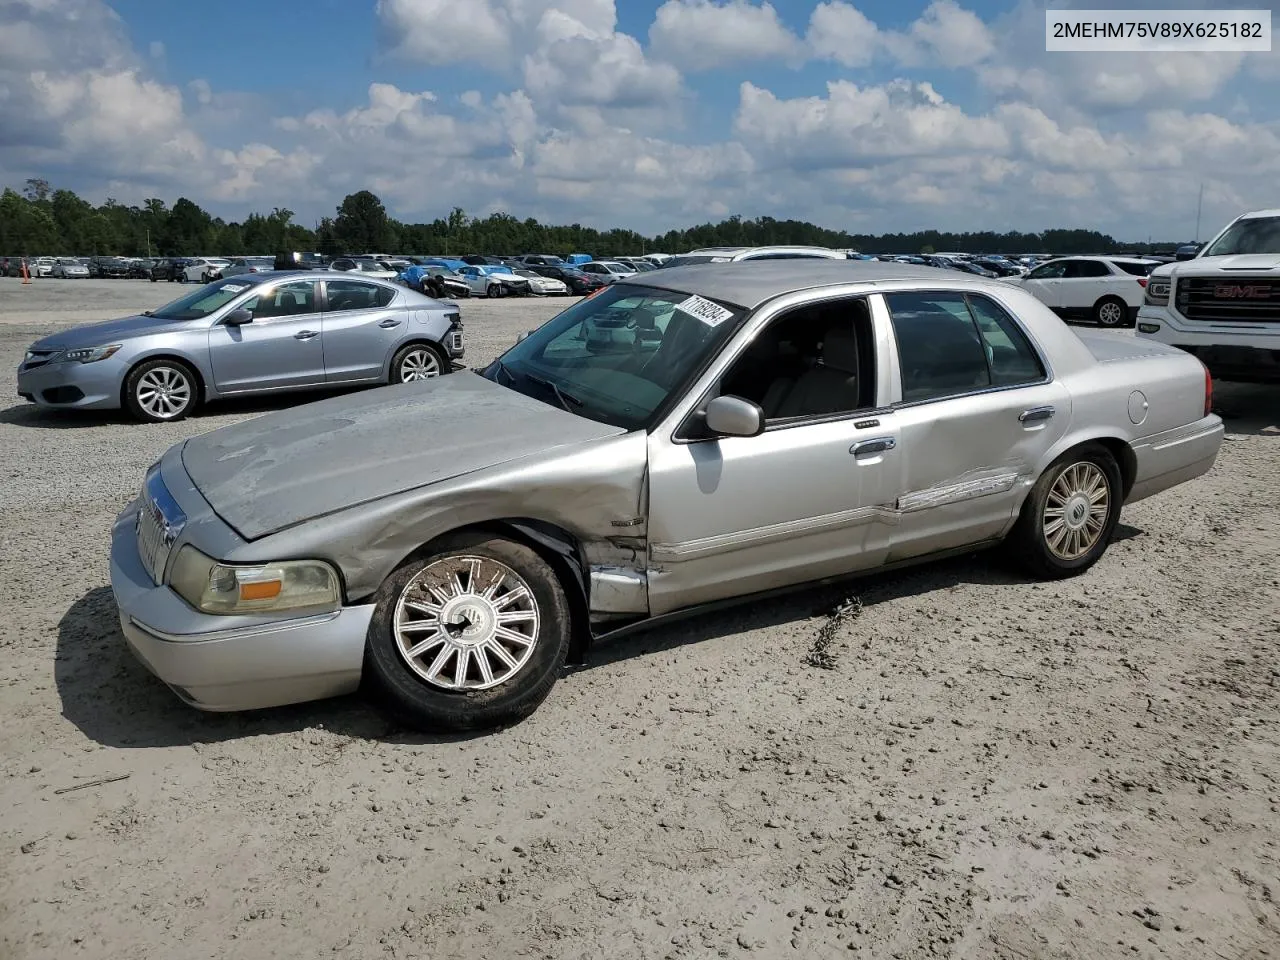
{"x": 284, "y": 468}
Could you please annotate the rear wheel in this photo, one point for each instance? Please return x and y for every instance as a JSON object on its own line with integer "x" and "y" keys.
{"x": 160, "y": 391}
{"x": 471, "y": 636}
{"x": 1110, "y": 312}
{"x": 1070, "y": 515}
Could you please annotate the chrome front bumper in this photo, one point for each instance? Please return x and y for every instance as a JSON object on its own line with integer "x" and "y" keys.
{"x": 231, "y": 663}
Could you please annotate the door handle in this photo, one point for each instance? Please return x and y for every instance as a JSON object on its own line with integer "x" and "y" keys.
{"x": 868, "y": 447}
{"x": 1035, "y": 414}
{"x": 306, "y": 334}
{"x": 389, "y": 322}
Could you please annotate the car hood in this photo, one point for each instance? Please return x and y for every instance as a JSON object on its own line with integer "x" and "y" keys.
{"x": 109, "y": 331}
{"x": 285, "y": 468}
{"x": 1251, "y": 262}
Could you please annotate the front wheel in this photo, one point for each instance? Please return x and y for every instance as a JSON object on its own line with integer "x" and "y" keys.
{"x": 470, "y": 637}
{"x": 1070, "y": 515}
{"x": 494, "y": 290}
{"x": 417, "y": 361}
{"x": 1110, "y": 312}
{"x": 160, "y": 391}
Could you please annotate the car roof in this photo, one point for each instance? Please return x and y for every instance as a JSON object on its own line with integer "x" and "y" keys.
{"x": 749, "y": 283}
{"x": 1257, "y": 214}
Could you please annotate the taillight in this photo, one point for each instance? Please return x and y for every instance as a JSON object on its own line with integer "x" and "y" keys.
{"x": 1208, "y": 391}
{"x": 1142, "y": 282}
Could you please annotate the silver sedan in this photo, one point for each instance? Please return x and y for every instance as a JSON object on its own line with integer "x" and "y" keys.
{"x": 254, "y": 333}
{"x": 689, "y": 437}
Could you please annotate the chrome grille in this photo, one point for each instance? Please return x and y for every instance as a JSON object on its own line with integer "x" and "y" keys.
{"x": 159, "y": 522}
{"x": 1229, "y": 299}
{"x": 38, "y": 358}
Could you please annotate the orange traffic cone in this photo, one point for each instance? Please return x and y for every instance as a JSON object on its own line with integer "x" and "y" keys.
{"x": 26, "y": 274}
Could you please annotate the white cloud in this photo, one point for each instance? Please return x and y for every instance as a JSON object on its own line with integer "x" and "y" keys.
{"x": 706, "y": 34}
{"x": 853, "y": 124}
{"x": 841, "y": 32}
{"x": 945, "y": 35}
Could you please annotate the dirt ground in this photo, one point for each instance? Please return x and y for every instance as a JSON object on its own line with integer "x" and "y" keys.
{"x": 961, "y": 764}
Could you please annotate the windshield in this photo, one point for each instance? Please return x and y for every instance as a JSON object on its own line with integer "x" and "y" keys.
{"x": 1255, "y": 235}
{"x": 201, "y": 302}
{"x": 618, "y": 356}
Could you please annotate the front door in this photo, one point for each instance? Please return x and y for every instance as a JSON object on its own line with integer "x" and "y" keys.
{"x": 809, "y": 498}
{"x": 1044, "y": 283}
{"x": 977, "y": 416}
{"x": 280, "y": 348}
{"x": 360, "y": 329}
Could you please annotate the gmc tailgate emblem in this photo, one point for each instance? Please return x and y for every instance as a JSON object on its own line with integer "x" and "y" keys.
{"x": 1255, "y": 292}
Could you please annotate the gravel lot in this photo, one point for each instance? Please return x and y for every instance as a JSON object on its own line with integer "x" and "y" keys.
{"x": 990, "y": 768}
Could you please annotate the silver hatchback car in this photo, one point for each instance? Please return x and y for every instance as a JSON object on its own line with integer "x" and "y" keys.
{"x": 253, "y": 333}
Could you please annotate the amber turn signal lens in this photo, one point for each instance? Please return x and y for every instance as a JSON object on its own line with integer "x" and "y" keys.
{"x": 262, "y": 590}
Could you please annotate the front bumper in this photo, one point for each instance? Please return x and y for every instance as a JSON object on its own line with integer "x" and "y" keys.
{"x": 222, "y": 663}
{"x": 74, "y": 386}
{"x": 1232, "y": 352}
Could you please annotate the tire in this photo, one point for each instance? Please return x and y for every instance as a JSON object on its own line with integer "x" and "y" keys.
{"x": 493, "y": 290}
{"x": 418, "y": 361}
{"x": 1111, "y": 312}
{"x": 1033, "y": 543}
{"x": 505, "y": 690}
{"x": 155, "y": 374}
{"x": 153, "y": 279}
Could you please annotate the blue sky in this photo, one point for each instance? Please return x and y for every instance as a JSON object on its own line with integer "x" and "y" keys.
{"x": 862, "y": 114}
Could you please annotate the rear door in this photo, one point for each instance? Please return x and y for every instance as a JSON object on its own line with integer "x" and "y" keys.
{"x": 977, "y": 412}
{"x": 280, "y": 348}
{"x": 1085, "y": 282}
{"x": 360, "y": 329}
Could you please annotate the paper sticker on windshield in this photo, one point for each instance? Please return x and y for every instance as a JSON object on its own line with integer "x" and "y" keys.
{"x": 234, "y": 287}
{"x": 712, "y": 314}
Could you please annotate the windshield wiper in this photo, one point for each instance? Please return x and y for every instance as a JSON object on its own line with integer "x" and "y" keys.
{"x": 564, "y": 398}
{"x": 147, "y": 313}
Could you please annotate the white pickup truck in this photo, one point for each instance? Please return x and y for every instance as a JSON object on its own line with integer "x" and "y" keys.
{"x": 1223, "y": 305}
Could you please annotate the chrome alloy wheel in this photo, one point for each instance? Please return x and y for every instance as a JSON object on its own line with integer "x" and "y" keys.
{"x": 1110, "y": 313}
{"x": 163, "y": 392}
{"x": 466, "y": 623}
{"x": 1075, "y": 512}
{"x": 419, "y": 363}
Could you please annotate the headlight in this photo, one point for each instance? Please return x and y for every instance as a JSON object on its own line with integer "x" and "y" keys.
{"x": 1157, "y": 294}
{"x": 89, "y": 354}
{"x": 309, "y": 586}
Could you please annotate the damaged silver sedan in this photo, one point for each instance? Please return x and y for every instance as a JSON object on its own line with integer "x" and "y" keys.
{"x": 682, "y": 438}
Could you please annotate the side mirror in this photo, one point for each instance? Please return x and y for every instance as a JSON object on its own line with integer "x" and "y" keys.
{"x": 734, "y": 417}
{"x": 238, "y": 317}
{"x": 522, "y": 335}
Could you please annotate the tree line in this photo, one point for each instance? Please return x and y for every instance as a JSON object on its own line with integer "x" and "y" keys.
{"x": 42, "y": 221}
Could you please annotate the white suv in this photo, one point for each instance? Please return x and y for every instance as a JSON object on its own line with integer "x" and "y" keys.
{"x": 1105, "y": 290}
{"x": 1223, "y": 305}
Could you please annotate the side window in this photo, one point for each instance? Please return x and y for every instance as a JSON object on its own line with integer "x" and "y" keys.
{"x": 284, "y": 300}
{"x": 352, "y": 295}
{"x": 1134, "y": 269}
{"x": 1050, "y": 271}
{"x": 1009, "y": 352}
{"x": 384, "y": 297}
{"x": 1086, "y": 269}
{"x": 939, "y": 348}
{"x": 816, "y": 360}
